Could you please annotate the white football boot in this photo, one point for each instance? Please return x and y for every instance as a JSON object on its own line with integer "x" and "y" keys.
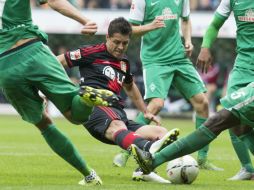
{"x": 91, "y": 180}
{"x": 153, "y": 177}
{"x": 243, "y": 174}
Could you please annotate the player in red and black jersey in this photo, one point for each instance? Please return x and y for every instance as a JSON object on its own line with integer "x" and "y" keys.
{"x": 105, "y": 66}
{"x": 99, "y": 68}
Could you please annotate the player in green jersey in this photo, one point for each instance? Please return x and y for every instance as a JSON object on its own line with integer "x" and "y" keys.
{"x": 238, "y": 109}
{"x": 27, "y": 65}
{"x": 163, "y": 53}
{"x": 243, "y": 71}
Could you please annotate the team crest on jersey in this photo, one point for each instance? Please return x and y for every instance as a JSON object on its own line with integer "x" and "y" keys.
{"x": 123, "y": 66}
{"x": 167, "y": 14}
{"x": 249, "y": 16}
{"x": 177, "y": 2}
{"x": 75, "y": 55}
{"x": 109, "y": 72}
{"x": 152, "y": 87}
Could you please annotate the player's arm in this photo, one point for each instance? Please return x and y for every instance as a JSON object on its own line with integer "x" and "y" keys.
{"x": 62, "y": 60}
{"x": 186, "y": 27}
{"x": 204, "y": 60}
{"x": 134, "y": 94}
{"x": 137, "y": 16}
{"x": 140, "y": 30}
{"x": 186, "y": 31}
{"x": 66, "y": 9}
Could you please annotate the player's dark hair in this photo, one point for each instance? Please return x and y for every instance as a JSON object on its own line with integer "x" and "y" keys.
{"x": 119, "y": 25}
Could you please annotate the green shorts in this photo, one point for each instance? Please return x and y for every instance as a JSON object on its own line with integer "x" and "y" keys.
{"x": 241, "y": 104}
{"x": 182, "y": 75}
{"x": 238, "y": 78}
{"x": 26, "y": 70}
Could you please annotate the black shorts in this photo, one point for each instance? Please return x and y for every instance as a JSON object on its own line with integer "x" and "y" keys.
{"x": 100, "y": 119}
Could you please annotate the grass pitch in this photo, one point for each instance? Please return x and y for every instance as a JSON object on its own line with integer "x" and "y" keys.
{"x": 27, "y": 163}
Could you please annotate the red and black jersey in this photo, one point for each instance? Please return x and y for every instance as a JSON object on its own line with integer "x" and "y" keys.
{"x": 99, "y": 69}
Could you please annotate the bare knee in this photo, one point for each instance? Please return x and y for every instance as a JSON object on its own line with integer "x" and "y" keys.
{"x": 200, "y": 104}
{"x": 221, "y": 121}
{"x": 241, "y": 130}
{"x": 113, "y": 128}
{"x": 44, "y": 123}
{"x": 151, "y": 132}
{"x": 155, "y": 105}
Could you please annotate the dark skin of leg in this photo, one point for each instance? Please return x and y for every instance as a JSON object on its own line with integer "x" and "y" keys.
{"x": 223, "y": 120}
{"x": 44, "y": 123}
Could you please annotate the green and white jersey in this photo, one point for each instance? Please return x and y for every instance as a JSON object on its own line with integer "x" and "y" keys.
{"x": 16, "y": 23}
{"x": 243, "y": 11}
{"x": 162, "y": 45}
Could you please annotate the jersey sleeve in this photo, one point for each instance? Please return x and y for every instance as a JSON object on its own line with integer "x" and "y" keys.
{"x": 128, "y": 76}
{"x": 137, "y": 11}
{"x": 186, "y": 10}
{"x": 224, "y": 9}
{"x": 76, "y": 57}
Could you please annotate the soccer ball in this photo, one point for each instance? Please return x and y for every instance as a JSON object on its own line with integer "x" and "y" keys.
{"x": 183, "y": 170}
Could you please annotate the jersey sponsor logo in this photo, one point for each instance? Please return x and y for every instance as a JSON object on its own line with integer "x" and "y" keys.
{"x": 248, "y": 17}
{"x": 109, "y": 72}
{"x": 2, "y": 3}
{"x": 75, "y": 55}
{"x": 154, "y": 3}
{"x": 167, "y": 14}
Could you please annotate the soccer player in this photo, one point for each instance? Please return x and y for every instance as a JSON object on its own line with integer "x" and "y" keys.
{"x": 163, "y": 53}
{"x": 243, "y": 71}
{"x": 27, "y": 65}
{"x": 238, "y": 109}
{"x": 105, "y": 66}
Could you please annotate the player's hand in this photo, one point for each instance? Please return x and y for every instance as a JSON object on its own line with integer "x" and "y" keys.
{"x": 90, "y": 28}
{"x": 152, "y": 117}
{"x": 204, "y": 60}
{"x": 188, "y": 48}
{"x": 158, "y": 22}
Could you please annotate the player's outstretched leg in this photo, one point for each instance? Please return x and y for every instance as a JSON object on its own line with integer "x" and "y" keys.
{"x": 171, "y": 136}
{"x": 97, "y": 97}
{"x": 143, "y": 158}
{"x": 91, "y": 179}
{"x": 167, "y": 139}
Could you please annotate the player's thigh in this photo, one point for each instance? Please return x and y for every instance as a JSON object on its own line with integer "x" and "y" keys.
{"x": 100, "y": 120}
{"x": 49, "y": 76}
{"x": 239, "y": 78}
{"x": 26, "y": 101}
{"x": 187, "y": 80}
{"x": 157, "y": 80}
{"x": 14, "y": 68}
{"x": 241, "y": 104}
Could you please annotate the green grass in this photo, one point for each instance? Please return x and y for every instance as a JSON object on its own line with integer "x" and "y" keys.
{"x": 26, "y": 162}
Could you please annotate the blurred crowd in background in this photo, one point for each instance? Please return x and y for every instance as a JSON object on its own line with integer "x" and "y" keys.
{"x": 214, "y": 79}
{"x": 200, "y": 5}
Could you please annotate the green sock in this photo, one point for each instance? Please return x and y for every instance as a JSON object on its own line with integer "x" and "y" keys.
{"x": 248, "y": 140}
{"x": 141, "y": 119}
{"x": 62, "y": 146}
{"x": 241, "y": 151}
{"x": 79, "y": 110}
{"x": 186, "y": 145}
{"x": 202, "y": 153}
